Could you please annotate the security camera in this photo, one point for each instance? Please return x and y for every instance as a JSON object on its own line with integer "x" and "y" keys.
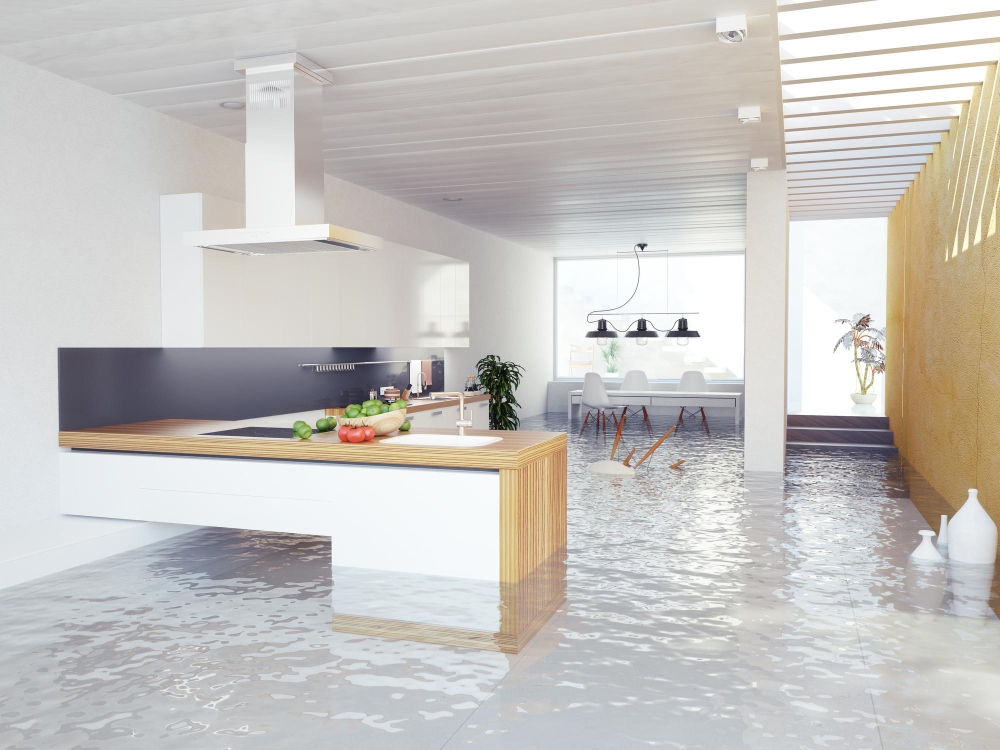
{"x": 731, "y": 29}
{"x": 748, "y": 115}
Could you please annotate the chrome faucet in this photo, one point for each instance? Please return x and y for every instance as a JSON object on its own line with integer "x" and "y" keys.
{"x": 462, "y": 422}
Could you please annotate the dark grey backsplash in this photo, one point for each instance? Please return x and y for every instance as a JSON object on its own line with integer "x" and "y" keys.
{"x": 116, "y": 386}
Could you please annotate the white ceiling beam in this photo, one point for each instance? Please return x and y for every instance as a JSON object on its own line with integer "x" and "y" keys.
{"x": 874, "y": 109}
{"x": 892, "y": 50}
{"x": 791, "y": 7}
{"x": 869, "y": 137}
{"x": 891, "y": 25}
{"x": 890, "y": 72}
{"x": 920, "y": 144}
{"x": 866, "y": 124}
{"x": 908, "y": 90}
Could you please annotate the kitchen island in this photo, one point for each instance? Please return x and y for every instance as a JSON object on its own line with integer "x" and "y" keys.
{"x": 461, "y": 546}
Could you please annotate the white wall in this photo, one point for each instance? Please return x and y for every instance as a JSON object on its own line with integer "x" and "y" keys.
{"x": 80, "y": 181}
{"x": 510, "y": 286}
{"x": 835, "y": 269}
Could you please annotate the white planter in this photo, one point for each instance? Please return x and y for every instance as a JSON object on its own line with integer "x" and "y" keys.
{"x": 863, "y": 398}
{"x": 972, "y": 535}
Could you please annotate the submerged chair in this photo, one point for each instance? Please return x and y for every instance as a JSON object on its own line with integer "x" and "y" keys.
{"x": 692, "y": 381}
{"x": 636, "y": 380}
{"x": 595, "y": 397}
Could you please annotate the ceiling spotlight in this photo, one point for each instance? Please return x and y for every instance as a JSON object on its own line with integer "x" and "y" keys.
{"x": 748, "y": 115}
{"x": 758, "y": 165}
{"x": 731, "y": 29}
{"x": 452, "y": 200}
{"x": 232, "y": 105}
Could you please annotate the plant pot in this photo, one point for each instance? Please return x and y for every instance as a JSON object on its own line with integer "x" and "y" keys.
{"x": 863, "y": 398}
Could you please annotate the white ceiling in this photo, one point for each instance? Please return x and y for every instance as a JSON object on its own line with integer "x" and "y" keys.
{"x": 572, "y": 126}
{"x": 868, "y": 88}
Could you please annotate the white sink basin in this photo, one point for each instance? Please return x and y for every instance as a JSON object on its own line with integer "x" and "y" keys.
{"x": 441, "y": 441}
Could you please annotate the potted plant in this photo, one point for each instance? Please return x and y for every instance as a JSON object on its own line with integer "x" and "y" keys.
{"x": 500, "y": 379}
{"x": 867, "y": 344}
{"x": 611, "y": 353}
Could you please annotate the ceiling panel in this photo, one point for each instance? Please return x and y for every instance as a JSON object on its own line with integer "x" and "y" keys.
{"x": 571, "y": 126}
{"x": 869, "y": 88}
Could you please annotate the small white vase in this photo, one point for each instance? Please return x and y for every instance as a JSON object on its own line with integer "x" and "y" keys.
{"x": 926, "y": 552}
{"x": 942, "y": 540}
{"x": 863, "y": 398}
{"x": 972, "y": 534}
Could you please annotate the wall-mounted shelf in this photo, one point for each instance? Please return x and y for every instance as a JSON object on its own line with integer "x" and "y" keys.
{"x": 348, "y": 366}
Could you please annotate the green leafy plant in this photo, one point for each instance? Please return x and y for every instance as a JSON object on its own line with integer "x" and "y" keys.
{"x": 611, "y": 353}
{"x": 868, "y": 346}
{"x": 501, "y": 379}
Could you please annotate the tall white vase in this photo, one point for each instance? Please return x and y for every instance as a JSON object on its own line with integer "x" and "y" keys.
{"x": 972, "y": 535}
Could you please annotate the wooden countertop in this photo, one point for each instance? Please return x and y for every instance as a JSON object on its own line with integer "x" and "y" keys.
{"x": 419, "y": 404}
{"x": 184, "y": 436}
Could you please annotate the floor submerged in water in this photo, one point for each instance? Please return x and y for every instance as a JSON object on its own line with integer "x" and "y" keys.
{"x": 703, "y": 611}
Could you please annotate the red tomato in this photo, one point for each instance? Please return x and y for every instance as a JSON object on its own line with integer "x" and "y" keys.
{"x": 369, "y": 432}
{"x": 342, "y": 433}
{"x": 355, "y": 435}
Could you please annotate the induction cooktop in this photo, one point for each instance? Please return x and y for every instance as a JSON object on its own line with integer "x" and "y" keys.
{"x": 271, "y": 433}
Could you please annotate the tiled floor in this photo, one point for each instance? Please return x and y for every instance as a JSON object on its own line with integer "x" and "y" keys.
{"x": 701, "y": 613}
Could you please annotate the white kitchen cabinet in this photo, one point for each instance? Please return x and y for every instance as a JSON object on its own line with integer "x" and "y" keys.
{"x": 480, "y": 415}
{"x": 443, "y": 417}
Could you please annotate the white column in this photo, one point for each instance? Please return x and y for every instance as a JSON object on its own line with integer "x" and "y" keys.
{"x": 182, "y": 272}
{"x": 765, "y": 361}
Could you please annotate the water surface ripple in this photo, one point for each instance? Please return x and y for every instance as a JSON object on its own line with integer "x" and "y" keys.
{"x": 703, "y": 611}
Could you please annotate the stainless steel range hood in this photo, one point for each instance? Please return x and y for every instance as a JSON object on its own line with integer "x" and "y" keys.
{"x": 284, "y": 166}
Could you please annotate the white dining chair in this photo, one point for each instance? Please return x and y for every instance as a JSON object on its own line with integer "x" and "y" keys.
{"x": 636, "y": 380}
{"x": 692, "y": 381}
{"x": 595, "y": 396}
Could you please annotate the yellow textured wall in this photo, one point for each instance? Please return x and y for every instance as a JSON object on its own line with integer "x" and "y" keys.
{"x": 943, "y": 310}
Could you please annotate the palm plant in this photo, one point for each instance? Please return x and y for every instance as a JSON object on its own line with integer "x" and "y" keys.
{"x": 500, "y": 379}
{"x": 611, "y": 354}
{"x": 868, "y": 346}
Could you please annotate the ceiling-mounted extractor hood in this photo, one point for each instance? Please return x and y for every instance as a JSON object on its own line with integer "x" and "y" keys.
{"x": 284, "y": 166}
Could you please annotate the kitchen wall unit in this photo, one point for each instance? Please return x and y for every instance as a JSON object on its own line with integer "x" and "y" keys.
{"x": 396, "y": 296}
{"x": 111, "y": 386}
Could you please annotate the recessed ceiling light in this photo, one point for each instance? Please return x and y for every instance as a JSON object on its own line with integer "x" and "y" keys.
{"x": 748, "y": 115}
{"x": 731, "y": 29}
{"x": 232, "y": 105}
{"x": 452, "y": 200}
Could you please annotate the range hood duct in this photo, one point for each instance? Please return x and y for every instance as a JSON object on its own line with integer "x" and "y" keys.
{"x": 284, "y": 166}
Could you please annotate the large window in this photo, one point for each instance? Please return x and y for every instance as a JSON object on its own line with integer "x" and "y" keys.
{"x": 711, "y": 285}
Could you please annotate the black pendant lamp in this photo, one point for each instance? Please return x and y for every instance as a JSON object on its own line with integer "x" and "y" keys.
{"x": 602, "y": 334}
{"x": 682, "y": 333}
{"x": 641, "y": 333}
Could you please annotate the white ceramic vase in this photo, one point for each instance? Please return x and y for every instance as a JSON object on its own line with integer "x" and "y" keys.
{"x": 942, "y": 540}
{"x": 863, "y": 398}
{"x": 972, "y": 534}
{"x": 926, "y": 552}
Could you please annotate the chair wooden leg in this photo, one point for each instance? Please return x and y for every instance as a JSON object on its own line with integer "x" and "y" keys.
{"x": 703, "y": 414}
{"x": 680, "y": 418}
{"x": 645, "y": 414}
{"x": 615, "y": 418}
{"x": 586, "y": 418}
